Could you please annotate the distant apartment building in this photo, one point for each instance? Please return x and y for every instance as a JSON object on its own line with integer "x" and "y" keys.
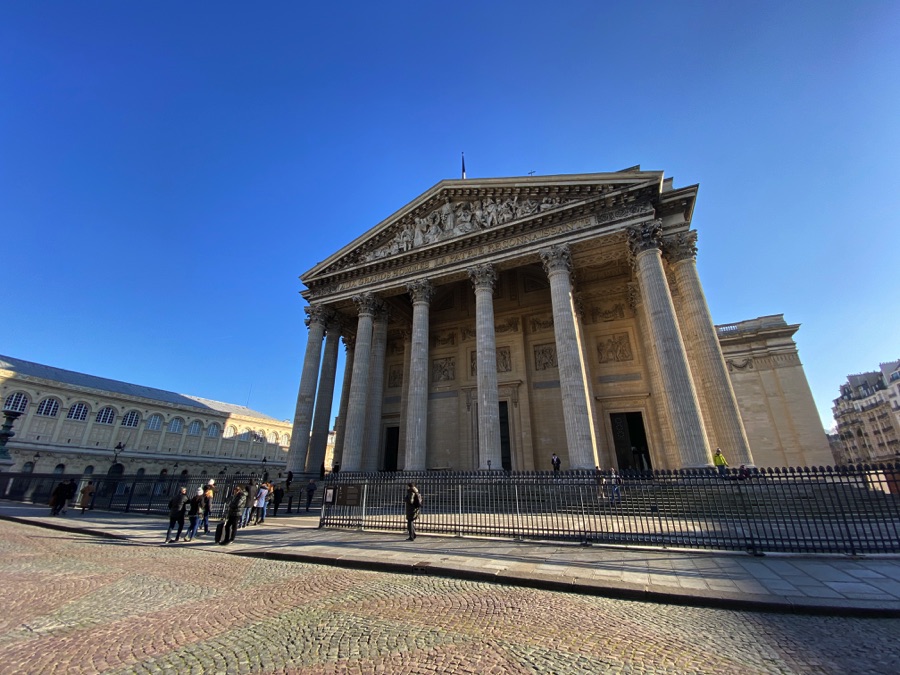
{"x": 868, "y": 416}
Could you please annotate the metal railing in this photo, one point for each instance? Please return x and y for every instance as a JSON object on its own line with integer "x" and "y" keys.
{"x": 853, "y": 509}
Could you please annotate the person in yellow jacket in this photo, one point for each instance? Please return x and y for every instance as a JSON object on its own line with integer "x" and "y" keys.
{"x": 720, "y": 462}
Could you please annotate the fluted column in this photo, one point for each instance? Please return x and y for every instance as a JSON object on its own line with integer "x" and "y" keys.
{"x": 678, "y": 386}
{"x": 340, "y": 425}
{"x": 303, "y": 413}
{"x": 483, "y": 278}
{"x": 421, "y": 292}
{"x": 359, "y": 384}
{"x": 324, "y": 397}
{"x": 724, "y": 425}
{"x": 573, "y": 377}
{"x": 372, "y": 436}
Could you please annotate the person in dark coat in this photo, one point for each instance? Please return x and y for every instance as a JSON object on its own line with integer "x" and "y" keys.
{"x": 208, "y": 493}
{"x": 235, "y": 511}
{"x": 277, "y": 497}
{"x": 413, "y": 502}
{"x": 177, "y": 506}
{"x": 58, "y": 498}
{"x": 195, "y": 513}
{"x": 311, "y": 488}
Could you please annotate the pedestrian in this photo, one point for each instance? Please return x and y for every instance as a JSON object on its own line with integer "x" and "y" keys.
{"x": 311, "y": 488}
{"x": 743, "y": 472}
{"x": 556, "y": 462}
{"x": 87, "y": 494}
{"x": 277, "y": 496}
{"x": 290, "y": 479}
{"x": 336, "y": 468}
{"x": 177, "y": 506}
{"x": 195, "y": 513}
{"x": 720, "y": 462}
{"x": 233, "y": 515}
{"x": 614, "y": 480}
{"x": 260, "y": 504}
{"x": 251, "y": 489}
{"x": 58, "y": 499}
{"x": 208, "y": 493}
{"x": 322, "y": 471}
{"x": 413, "y": 502}
{"x": 71, "y": 491}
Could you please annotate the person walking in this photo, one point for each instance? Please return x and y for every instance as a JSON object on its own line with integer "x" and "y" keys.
{"x": 260, "y": 504}
{"x": 413, "y": 502}
{"x": 71, "y": 491}
{"x": 87, "y": 493}
{"x": 208, "y": 493}
{"x": 195, "y": 513}
{"x": 177, "y": 506}
{"x": 277, "y": 497}
{"x": 58, "y": 499}
{"x": 311, "y": 488}
{"x": 251, "y": 489}
{"x": 556, "y": 462}
{"x": 233, "y": 515}
{"x": 720, "y": 462}
{"x": 615, "y": 489}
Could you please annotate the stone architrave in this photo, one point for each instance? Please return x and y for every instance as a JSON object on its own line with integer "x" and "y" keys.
{"x": 678, "y": 386}
{"x": 710, "y": 372}
{"x": 372, "y": 437}
{"x": 582, "y": 444}
{"x": 324, "y": 397}
{"x": 368, "y": 304}
{"x": 340, "y": 425}
{"x": 421, "y": 292}
{"x": 483, "y": 278}
{"x": 317, "y": 317}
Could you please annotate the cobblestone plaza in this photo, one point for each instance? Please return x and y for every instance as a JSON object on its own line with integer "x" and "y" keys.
{"x": 80, "y": 604}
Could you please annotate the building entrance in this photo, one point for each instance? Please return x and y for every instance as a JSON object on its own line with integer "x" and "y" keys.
{"x": 391, "y": 447}
{"x": 630, "y": 440}
{"x": 505, "y": 454}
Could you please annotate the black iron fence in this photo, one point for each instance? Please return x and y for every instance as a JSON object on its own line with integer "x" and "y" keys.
{"x": 138, "y": 494}
{"x": 851, "y": 510}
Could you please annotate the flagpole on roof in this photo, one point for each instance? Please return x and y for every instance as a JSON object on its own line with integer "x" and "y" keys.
{"x": 463, "y": 166}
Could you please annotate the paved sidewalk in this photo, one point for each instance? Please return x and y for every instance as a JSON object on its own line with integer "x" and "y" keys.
{"x": 841, "y": 585}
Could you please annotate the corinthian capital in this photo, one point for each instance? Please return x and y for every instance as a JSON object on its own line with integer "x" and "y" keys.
{"x": 556, "y": 258}
{"x": 645, "y": 236}
{"x": 681, "y": 247}
{"x": 318, "y": 314}
{"x": 483, "y": 276}
{"x": 367, "y": 303}
{"x": 420, "y": 290}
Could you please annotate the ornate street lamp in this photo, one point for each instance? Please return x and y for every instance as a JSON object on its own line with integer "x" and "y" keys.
{"x": 6, "y": 432}
{"x": 118, "y": 450}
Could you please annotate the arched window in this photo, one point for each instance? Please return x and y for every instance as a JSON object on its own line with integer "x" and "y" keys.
{"x": 272, "y": 437}
{"x": 59, "y": 468}
{"x": 16, "y": 402}
{"x": 28, "y": 467}
{"x": 230, "y": 432}
{"x": 258, "y": 436}
{"x": 285, "y": 440}
{"x": 131, "y": 419}
{"x": 195, "y": 428}
{"x": 88, "y": 470}
{"x": 185, "y": 473}
{"x": 78, "y": 412}
{"x": 164, "y": 472}
{"x": 106, "y": 416}
{"x": 154, "y": 422}
{"x": 48, "y": 407}
{"x": 245, "y": 435}
{"x": 175, "y": 425}
{"x": 212, "y": 431}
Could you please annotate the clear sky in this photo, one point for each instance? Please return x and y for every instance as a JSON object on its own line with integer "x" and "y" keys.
{"x": 169, "y": 169}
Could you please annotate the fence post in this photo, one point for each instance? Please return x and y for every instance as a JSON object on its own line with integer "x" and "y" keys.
{"x": 362, "y": 513}
{"x": 130, "y": 495}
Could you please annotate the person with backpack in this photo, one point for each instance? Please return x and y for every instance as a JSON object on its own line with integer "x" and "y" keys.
{"x": 413, "y": 501}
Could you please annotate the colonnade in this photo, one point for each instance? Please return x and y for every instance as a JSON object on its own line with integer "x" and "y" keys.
{"x": 683, "y": 381}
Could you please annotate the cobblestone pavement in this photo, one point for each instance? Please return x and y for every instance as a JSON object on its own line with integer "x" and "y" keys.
{"x": 79, "y": 604}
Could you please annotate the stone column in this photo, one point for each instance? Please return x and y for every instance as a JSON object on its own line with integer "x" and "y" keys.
{"x": 372, "y": 437}
{"x": 316, "y": 318}
{"x": 340, "y": 425}
{"x": 359, "y": 384}
{"x": 678, "y": 386}
{"x": 324, "y": 397}
{"x": 484, "y": 277}
{"x": 421, "y": 292}
{"x": 406, "y": 337}
{"x": 724, "y": 425}
{"x": 573, "y": 378}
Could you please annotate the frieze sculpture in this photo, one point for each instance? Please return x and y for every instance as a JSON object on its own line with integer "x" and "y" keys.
{"x": 645, "y": 236}
{"x": 541, "y": 323}
{"x": 615, "y": 312}
{"x": 395, "y": 377}
{"x": 504, "y": 361}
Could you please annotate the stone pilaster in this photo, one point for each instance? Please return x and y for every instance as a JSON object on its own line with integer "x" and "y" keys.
{"x": 340, "y": 424}
{"x": 372, "y": 437}
{"x": 359, "y": 384}
{"x": 303, "y": 413}
{"x": 724, "y": 425}
{"x": 483, "y": 278}
{"x": 582, "y": 444}
{"x": 421, "y": 292}
{"x": 678, "y": 386}
{"x": 324, "y": 397}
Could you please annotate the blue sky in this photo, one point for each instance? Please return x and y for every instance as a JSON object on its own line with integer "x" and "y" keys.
{"x": 169, "y": 169}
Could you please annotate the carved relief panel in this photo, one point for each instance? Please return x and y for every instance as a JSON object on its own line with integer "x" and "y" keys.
{"x": 504, "y": 361}
{"x": 614, "y": 348}
{"x": 395, "y": 376}
{"x": 443, "y": 370}
{"x": 545, "y": 357}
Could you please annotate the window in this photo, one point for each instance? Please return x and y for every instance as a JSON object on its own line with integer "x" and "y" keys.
{"x": 175, "y": 426}
{"x": 88, "y": 470}
{"x": 59, "y": 468}
{"x": 79, "y": 412}
{"x": 141, "y": 472}
{"x": 154, "y": 423}
{"x": 28, "y": 467}
{"x": 230, "y": 432}
{"x": 195, "y": 428}
{"x": 272, "y": 437}
{"x": 132, "y": 419}
{"x": 48, "y": 407}
{"x": 245, "y": 435}
{"x": 106, "y": 416}
{"x": 16, "y": 402}
{"x": 286, "y": 440}
{"x": 258, "y": 437}
{"x": 212, "y": 431}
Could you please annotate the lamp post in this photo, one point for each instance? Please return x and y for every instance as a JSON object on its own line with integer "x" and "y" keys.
{"x": 6, "y": 432}
{"x": 118, "y": 450}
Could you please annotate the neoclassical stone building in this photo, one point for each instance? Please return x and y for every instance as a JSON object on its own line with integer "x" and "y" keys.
{"x": 489, "y": 323}
{"x": 73, "y": 422}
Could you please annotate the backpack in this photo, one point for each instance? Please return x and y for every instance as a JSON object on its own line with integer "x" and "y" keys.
{"x": 417, "y": 500}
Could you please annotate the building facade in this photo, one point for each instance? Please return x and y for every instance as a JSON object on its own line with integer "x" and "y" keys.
{"x": 490, "y": 323}
{"x": 81, "y": 424}
{"x": 867, "y": 414}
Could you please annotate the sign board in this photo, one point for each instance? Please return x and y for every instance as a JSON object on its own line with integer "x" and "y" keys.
{"x": 348, "y": 495}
